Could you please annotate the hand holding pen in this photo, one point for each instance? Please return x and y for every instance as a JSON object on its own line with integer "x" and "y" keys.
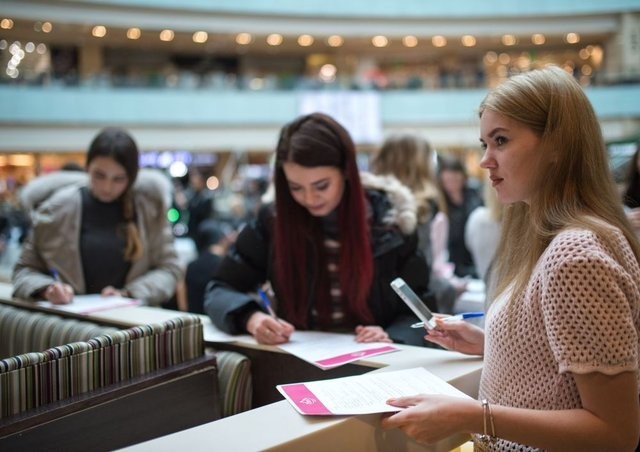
{"x": 267, "y": 303}
{"x": 58, "y": 292}
{"x": 267, "y": 328}
{"x": 450, "y": 318}
{"x": 453, "y": 333}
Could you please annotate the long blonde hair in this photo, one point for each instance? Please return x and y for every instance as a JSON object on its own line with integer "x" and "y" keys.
{"x": 408, "y": 157}
{"x": 491, "y": 201}
{"x": 574, "y": 189}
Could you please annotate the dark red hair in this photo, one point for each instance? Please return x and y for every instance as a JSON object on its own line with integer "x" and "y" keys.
{"x": 318, "y": 140}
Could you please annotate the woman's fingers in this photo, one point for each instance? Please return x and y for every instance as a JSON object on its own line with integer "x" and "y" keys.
{"x": 270, "y": 330}
{"x": 57, "y": 293}
{"x": 371, "y": 333}
{"x": 404, "y": 402}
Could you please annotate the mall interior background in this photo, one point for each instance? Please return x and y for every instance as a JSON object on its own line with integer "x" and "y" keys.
{"x": 208, "y": 83}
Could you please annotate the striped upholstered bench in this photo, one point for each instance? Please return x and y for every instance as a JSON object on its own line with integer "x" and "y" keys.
{"x": 24, "y": 331}
{"x": 234, "y": 378}
{"x": 41, "y": 392}
{"x": 34, "y": 379}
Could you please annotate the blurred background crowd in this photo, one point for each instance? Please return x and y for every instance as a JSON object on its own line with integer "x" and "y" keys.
{"x": 204, "y": 86}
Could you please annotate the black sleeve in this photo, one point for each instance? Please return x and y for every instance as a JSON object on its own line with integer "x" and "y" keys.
{"x": 229, "y": 298}
{"x": 415, "y": 270}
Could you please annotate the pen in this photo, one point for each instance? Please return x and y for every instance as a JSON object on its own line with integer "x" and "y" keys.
{"x": 461, "y": 316}
{"x": 54, "y": 274}
{"x": 267, "y": 303}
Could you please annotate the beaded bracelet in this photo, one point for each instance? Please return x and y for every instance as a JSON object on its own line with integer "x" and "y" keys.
{"x": 487, "y": 438}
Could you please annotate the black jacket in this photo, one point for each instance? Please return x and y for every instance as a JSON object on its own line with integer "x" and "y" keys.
{"x": 231, "y": 297}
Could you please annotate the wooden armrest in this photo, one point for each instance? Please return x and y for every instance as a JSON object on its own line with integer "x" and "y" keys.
{"x": 116, "y": 416}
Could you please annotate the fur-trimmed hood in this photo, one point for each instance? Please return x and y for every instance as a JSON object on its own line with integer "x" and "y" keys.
{"x": 151, "y": 183}
{"x": 403, "y": 211}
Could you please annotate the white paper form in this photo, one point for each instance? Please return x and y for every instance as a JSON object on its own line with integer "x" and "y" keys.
{"x": 213, "y": 334}
{"x": 88, "y": 304}
{"x": 328, "y": 350}
{"x": 363, "y": 394}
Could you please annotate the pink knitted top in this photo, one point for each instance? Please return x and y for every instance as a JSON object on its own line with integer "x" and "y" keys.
{"x": 580, "y": 313}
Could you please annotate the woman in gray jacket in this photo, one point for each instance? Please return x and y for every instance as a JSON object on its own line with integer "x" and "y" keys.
{"x": 106, "y": 233}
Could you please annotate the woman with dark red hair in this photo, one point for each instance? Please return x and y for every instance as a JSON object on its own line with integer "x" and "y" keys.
{"x": 329, "y": 246}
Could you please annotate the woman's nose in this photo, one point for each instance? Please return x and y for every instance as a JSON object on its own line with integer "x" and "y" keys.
{"x": 308, "y": 197}
{"x": 487, "y": 161}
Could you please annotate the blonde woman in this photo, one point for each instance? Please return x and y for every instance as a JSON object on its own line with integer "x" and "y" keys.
{"x": 561, "y": 341}
{"x": 409, "y": 158}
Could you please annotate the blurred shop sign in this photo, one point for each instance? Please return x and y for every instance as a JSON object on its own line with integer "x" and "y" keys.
{"x": 358, "y": 112}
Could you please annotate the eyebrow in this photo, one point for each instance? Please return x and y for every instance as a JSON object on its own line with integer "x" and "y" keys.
{"x": 314, "y": 183}
{"x": 104, "y": 173}
{"x": 496, "y": 130}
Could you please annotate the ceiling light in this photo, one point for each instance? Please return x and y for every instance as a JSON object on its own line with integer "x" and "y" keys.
{"x": 468, "y": 41}
{"x": 167, "y": 35}
{"x": 328, "y": 73}
{"x": 509, "y": 40}
{"x": 538, "y": 39}
{"x": 335, "y": 41}
{"x": 274, "y": 39}
{"x": 134, "y": 33}
{"x": 6, "y": 24}
{"x": 305, "y": 40}
{"x": 379, "y": 41}
{"x": 99, "y": 31}
{"x": 410, "y": 41}
{"x": 200, "y": 37}
{"x": 439, "y": 41}
{"x": 572, "y": 38}
{"x": 244, "y": 38}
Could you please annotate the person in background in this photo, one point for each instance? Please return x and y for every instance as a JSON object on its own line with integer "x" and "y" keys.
{"x": 199, "y": 201}
{"x": 409, "y": 158}
{"x": 329, "y": 246}
{"x": 100, "y": 232}
{"x": 482, "y": 232}
{"x": 560, "y": 345}
{"x": 5, "y": 229}
{"x": 631, "y": 196}
{"x": 461, "y": 199}
{"x": 71, "y": 166}
{"x": 14, "y": 226}
{"x": 212, "y": 243}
